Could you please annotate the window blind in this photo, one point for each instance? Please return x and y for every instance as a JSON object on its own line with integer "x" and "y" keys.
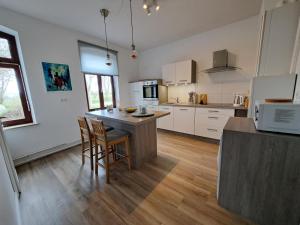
{"x": 93, "y": 59}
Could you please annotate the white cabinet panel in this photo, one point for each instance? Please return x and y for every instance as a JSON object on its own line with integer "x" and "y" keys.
{"x": 184, "y": 119}
{"x": 136, "y": 93}
{"x": 184, "y": 72}
{"x": 166, "y": 122}
{"x": 168, "y": 73}
{"x": 210, "y": 122}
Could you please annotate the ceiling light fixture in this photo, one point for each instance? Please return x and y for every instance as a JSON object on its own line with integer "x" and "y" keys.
{"x": 105, "y": 13}
{"x": 133, "y": 51}
{"x": 149, "y": 4}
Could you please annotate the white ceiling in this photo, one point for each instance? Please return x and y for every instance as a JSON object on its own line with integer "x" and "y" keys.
{"x": 175, "y": 20}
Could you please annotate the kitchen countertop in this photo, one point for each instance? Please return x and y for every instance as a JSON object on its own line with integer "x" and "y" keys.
{"x": 212, "y": 105}
{"x": 124, "y": 117}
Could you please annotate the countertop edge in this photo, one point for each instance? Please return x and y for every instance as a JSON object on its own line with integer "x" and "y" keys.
{"x": 221, "y": 106}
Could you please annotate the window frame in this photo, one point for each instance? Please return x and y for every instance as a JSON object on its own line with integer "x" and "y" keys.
{"x": 14, "y": 63}
{"x": 101, "y": 97}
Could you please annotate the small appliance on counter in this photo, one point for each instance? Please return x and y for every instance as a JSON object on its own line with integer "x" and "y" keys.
{"x": 203, "y": 99}
{"x": 277, "y": 117}
{"x": 238, "y": 100}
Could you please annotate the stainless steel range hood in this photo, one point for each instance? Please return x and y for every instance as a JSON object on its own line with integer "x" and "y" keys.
{"x": 220, "y": 62}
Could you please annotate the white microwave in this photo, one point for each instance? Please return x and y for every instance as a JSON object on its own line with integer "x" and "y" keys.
{"x": 277, "y": 117}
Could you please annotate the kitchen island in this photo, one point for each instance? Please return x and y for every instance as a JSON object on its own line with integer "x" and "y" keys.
{"x": 143, "y": 134}
{"x": 259, "y": 174}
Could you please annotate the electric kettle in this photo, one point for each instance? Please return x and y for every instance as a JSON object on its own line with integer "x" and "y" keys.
{"x": 238, "y": 100}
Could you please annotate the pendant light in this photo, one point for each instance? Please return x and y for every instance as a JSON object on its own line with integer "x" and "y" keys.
{"x": 133, "y": 51}
{"x": 149, "y": 4}
{"x": 105, "y": 13}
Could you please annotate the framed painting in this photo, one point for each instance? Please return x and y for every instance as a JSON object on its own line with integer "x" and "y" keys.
{"x": 57, "y": 77}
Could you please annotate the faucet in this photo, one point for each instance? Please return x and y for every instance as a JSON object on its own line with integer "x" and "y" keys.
{"x": 176, "y": 99}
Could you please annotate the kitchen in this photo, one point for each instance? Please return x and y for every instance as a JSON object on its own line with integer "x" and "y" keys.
{"x": 137, "y": 115}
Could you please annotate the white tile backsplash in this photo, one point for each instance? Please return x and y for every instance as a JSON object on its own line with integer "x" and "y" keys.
{"x": 219, "y": 90}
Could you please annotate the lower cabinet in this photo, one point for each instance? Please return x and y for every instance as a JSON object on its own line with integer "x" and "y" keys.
{"x": 166, "y": 122}
{"x": 204, "y": 122}
{"x": 184, "y": 119}
{"x": 210, "y": 122}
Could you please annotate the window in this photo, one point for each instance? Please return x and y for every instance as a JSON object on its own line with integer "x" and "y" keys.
{"x": 99, "y": 78}
{"x": 14, "y": 107}
{"x": 100, "y": 91}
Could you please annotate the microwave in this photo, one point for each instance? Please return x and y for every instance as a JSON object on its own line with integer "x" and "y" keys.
{"x": 277, "y": 117}
{"x": 154, "y": 91}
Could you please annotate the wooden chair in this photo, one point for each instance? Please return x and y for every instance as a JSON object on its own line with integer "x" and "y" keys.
{"x": 86, "y": 136}
{"x": 107, "y": 141}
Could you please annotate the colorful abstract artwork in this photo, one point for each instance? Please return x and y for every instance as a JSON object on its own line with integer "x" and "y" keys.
{"x": 57, "y": 77}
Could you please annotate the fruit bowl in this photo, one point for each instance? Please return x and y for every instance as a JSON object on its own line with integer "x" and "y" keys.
{"x": 130, "y": 109}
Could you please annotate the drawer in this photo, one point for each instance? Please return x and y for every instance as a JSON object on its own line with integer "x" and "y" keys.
{"x": 152, "y": 107}
{"x": 216, "y": 111}
{"x": 165, "y": 108}
{"x": 209, "y": 119}
{"x": 208, "y": 131}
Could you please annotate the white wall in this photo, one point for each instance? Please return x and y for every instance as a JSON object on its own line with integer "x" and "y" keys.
{"x": 239, "y": 38}
{"x": 9, "y": 210}
{"x": 57, "y": 124}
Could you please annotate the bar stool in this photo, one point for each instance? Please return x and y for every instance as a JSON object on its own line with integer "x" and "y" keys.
{"x": 86, "y": 135}
{"x": 107, "y": 141}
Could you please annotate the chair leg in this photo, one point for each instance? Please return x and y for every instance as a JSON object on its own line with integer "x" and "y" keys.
{"x": 128, "y": 153}
{"x": 107, "y": 164}
{"x": 91, "y": 155}
{"x": 96, "y": 158}
{"x": 82, "y": 150}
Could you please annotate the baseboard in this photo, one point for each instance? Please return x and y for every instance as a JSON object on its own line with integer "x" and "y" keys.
{"x": 41, "y": 154}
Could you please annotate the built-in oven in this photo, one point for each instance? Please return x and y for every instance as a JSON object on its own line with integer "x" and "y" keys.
{"x": 150, "y": 90}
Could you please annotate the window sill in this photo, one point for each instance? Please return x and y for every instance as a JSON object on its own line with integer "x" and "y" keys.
{"x": 20, "y": 126}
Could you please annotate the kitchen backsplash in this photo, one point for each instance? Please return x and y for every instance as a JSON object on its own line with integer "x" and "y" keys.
{"x": 219, "y": 87}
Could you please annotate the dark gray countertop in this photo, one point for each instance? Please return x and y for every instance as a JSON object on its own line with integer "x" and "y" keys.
{"x": 212, "y": 105}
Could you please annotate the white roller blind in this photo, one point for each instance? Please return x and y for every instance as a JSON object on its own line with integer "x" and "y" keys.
{"x": 93, "y": 59}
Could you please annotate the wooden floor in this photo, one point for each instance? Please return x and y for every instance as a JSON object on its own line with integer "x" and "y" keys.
{"x": 179, "y": 187}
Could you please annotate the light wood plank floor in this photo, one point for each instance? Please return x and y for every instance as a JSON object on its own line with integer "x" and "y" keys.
{"x": 177, "y": 188}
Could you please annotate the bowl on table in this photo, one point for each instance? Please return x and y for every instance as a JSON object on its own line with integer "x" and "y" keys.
{"x": 130, "y": 109}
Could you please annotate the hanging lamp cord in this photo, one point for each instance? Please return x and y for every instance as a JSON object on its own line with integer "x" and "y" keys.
{"x": 105, "y": 35}
{"x": 132, "y": 43}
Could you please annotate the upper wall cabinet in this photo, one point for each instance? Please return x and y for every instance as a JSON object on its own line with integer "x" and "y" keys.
{"x": 183, "y": 72}
{"x": 278, "y": 40}
{"x": 168, "y": 74}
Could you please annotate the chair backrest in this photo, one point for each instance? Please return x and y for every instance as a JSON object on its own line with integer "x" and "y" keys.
{"x": 83, "y": 126}
{"x": 99, "y": 130}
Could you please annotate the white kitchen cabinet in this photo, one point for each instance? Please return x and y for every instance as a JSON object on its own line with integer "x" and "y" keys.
{"x": 168, "y": 73}
{"x": 152, "y": 108}
{"x": 166, "y": 122}
{"x": 184, "y": 119}
{"x": 210, "y": 122}
{"x": 136, "y": 93}
{"x": 185, "y": 72}
{"x": 278, "y": 38}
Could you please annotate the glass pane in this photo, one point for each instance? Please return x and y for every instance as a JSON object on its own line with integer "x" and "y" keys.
{"x": 92, "y": 91}
{"x": 107, "y": 90}
{"x": 4, "y": 49}
{"x": 10, "y": 102}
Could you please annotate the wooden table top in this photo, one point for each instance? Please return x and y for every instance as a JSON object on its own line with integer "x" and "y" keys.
{"x": 125, "y": 117}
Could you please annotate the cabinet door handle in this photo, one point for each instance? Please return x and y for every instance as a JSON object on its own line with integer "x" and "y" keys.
{"x": 213, "y": 111}
{"x": 212, "y": 130}
{"x": 213, "y": 117}
{"x": 183, "y": 109}
{"x": 165, "y": 109}
{"x": 182, "y": 80}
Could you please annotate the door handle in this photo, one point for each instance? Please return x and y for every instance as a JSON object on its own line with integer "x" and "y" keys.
{"x": 212, "y": 130}
{"x": 213, "y": 117}
{"x": 183, "y": 109}
{"x": 212, "y": 111}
